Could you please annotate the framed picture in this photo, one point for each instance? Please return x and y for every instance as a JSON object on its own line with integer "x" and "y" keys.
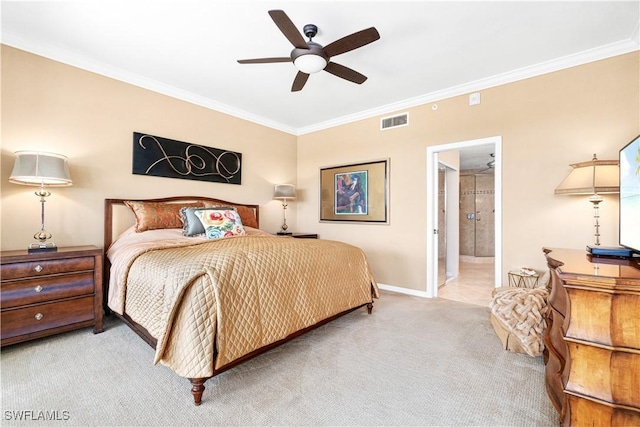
{"x": 355, "y": 193}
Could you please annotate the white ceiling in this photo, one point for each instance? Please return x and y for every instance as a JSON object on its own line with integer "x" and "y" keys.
{"x": 428, "y": 50}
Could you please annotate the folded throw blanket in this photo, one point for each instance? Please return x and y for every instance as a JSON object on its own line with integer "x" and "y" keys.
{"x": 521, "y": 311}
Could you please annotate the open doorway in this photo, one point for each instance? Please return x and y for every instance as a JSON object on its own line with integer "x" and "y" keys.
{"x": 435, "y": 224}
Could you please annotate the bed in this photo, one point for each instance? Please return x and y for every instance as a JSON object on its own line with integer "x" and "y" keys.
{"x": 198, "y": 280}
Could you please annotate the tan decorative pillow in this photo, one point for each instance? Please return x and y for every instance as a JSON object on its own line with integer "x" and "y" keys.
{"x": 154, "y": 215}
{"x": 247, "y": 215}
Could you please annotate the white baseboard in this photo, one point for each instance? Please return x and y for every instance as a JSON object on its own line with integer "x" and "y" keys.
{"x": 412, "y": 292}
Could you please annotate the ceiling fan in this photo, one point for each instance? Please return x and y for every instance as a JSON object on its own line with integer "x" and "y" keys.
{"x": 490, "y": 165}
{"x": 310, "y": 57}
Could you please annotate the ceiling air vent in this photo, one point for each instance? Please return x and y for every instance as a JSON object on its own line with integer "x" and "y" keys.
{"x": 394, "y": 122}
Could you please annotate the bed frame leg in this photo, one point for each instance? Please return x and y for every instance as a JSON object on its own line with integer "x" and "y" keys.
{"x": 369, "y": 307}
{"x": 197, "y": 389}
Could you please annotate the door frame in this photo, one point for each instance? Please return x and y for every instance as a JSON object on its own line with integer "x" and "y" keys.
{"x": 432, "y": 207}
{"x": 451, "y": 220}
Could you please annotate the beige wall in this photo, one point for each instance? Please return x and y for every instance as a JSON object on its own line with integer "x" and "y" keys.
{"x": 50, "y": 106}
{"x": 546, "y": 123}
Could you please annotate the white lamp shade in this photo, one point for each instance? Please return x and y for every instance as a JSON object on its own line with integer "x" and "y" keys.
{"x": 38, "y": 168}
{"x": 593, "y": 177}
{"x": 310, "y": 63}
{"x": 284, "y": 191}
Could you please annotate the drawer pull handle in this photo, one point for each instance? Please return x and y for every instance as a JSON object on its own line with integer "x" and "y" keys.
{"x": 38, "y": 268}
{"x": 38, "y": 289}
{"x": 39, "y": 316}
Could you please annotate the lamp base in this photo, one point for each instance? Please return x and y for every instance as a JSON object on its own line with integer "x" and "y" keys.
{"x": 35, "y": 248}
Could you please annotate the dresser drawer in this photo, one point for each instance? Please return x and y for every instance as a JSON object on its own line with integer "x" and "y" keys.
{"x": 42, "y": 289}
{"x": 41, "y": 317}
{"x": 23, "y": 270}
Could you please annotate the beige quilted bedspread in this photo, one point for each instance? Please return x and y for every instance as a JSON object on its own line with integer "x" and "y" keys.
{"x": 239, "y": 294}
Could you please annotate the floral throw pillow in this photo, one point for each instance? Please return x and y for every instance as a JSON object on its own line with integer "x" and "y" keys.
{"x": 247, "y": 215}
{"x": 192, "y": 226}
{"x": 219, "y": 223}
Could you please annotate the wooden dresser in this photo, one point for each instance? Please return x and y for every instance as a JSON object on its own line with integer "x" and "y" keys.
{"x": 47, "y": 293}
{"x": 592, "y": 339}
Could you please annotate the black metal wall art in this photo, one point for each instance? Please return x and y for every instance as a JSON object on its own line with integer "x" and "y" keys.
{"x": 156, "y": 156}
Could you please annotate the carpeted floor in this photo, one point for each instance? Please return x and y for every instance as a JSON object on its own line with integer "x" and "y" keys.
{"x": 412, "y": 362}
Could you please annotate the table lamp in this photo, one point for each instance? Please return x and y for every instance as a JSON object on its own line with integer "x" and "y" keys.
{"x": 592, "y": 178}
{"x": 44, "y": 170}
{"x": 284, "y": 192}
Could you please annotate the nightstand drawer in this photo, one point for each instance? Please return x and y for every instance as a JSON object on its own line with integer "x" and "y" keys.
{"x": 42, "y": 289}
{"x": 44, "y": 268}
{"x": 47, "y": 293}
{"x": 36, "y": 318}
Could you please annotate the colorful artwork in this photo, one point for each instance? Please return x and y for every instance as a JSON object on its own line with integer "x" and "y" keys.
{"x": 355, "y": 193}
{"x": 351, "y": 193}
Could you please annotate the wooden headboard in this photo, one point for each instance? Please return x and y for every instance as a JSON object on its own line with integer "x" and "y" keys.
{"x": 118, "y": 217}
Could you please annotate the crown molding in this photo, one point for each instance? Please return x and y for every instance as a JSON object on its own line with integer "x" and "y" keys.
{"x": 591, "y": 55}
{"x": 66, "y": 57}
{"x": 78, "y": 61}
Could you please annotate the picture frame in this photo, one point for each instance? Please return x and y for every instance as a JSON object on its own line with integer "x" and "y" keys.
{"x": 356, "y": 192}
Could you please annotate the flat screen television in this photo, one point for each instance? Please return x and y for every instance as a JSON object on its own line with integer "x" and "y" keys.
{"x": 630, "y": 195}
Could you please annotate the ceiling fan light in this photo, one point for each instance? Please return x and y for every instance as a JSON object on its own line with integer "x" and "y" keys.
{"x": 310, "y": 63}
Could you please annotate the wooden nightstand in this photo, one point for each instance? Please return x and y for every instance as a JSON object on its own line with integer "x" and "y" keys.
{"x": 300, "y": 235}
{"x": 47, "y": 293}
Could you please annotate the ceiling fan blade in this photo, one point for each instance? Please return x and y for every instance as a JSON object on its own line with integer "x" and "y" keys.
{"x": 352, "y": 41}
{"x": 264, "y": 60}
{"x": 299, "y": 81}
{"x": 345, "y": 73}
{"x": 288, "y": 29}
